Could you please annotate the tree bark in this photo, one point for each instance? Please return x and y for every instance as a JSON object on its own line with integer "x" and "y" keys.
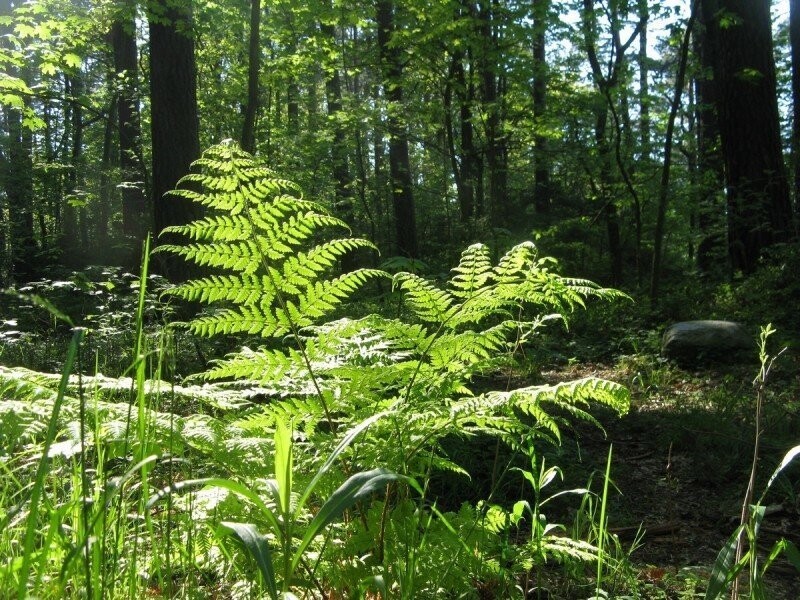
{"x": 17, "y": 180}
{"x": 758, "y": 203}
{"x": 644, "y": 82}
{"x": 135, "y": 213}
{"x": 794, "y": 41}
{"x": 491, "y": 86}
{"x": 253, "y": 71}
{"x": 399, "y": 164}
{"x": 711, "y": 250}
{"x": 70, "y": 244}
{"x": 541, "y": 190}
{"x": 174, "y": 120}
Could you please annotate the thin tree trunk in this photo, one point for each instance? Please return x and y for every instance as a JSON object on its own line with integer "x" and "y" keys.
{"x": 399, "y": 164}
{"x": 491, "y": 100}
{"x": 135, "y": 214}
{"x": 70, "y": 239}
{"x": 644, "y": 82}
{"x": 541, "y": 190}
{"x": 253, "y": 71}
{"x": 106, "y": 188}
{"x": 663, "y": 195}
{"x": 18, "y": 183}
{"x": 794, "y": 39}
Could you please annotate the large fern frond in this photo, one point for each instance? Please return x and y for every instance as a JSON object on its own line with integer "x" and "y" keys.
{"x": 260, "y": 237}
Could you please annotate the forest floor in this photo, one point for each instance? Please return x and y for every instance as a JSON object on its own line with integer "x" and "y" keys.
{"x": 681, "y": 462}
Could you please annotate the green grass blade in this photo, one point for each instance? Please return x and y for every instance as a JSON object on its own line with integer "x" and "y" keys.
{"x": 348, "y": 438}
{"x": 258, "y": 547}
{"x": 283, "y": 466}
{"x": 724, "y": 570}
{"x": 227, "y": 484}
{"x": 792, "y": 554}
{"x": 356, "y": 488}
{"x": 38, "y": 486}
{"x": 787, "y": 459}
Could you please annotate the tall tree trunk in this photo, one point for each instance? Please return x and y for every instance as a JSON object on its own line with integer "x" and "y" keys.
{"x": 106, "y": 187}
{"x": 663, "y": 195}
{"x": 759, "y": 206}
{"x": 399, "y": 164}
{"x": 491, "y": 98}
{"x": 464, "y": 157}
{"x": 253, "y": 72}
{"x": 174, "y": 121}
{"x": 18, "y": 184}
{"x": 606, "y": 195}
{"x": 644, "y": 82}
{"x": 711, "y": 250}
{"x": 339, "y": 150}
{"x": 794, "y": 39}
{"x": 70, "y": 236}
{"x": 17, "y": 180}
{"x": 605, "y": 83}
{"x": 135, "y": 213}
{"x": 541, "y": 191}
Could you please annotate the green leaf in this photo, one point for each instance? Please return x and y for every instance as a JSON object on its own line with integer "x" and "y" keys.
{"x": 227, "y": 484}
{"x": 787, "y": 459}
{"x": 283, "y": 466}
{"x": 348, "y": 438}
{"x": 258, "y": 547}
{"x": 73, "y": 60}
{"x": 357, "y": 487}
{"x": 724, "y": 570}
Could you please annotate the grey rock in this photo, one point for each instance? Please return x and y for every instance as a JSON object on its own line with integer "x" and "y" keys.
{"x": 708, "y": 340}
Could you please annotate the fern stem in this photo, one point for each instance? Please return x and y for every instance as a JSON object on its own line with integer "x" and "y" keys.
{"x": 282, "y": 302}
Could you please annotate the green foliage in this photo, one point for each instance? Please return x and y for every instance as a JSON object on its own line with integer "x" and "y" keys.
{"x": 285, "y": 512}
{"x": 261, "y": 435}
{"x": 733, "y": 559}
{"x": 419, "y": 368}
{"x": 257, "y": 228}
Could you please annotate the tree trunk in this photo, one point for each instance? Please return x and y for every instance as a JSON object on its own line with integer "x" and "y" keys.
{"x": 462, "y": 158}
{"x": 17, "y": 180}
{"x": 663, "y": 195}
{"x": 174, "y": 122}
{"x": 711, "y": 250}
{"x": 106, "y": 187}
{"x": 541, "y": 190}
{"x": 399, "y": 164}
{"x": 759, "y": 206}
{"x": 135, "y": 214}
{"x": 644, "y": 83}
{"x": 794, "y": 39}
{"x": 339, "y": 150}
{"x": 71, "y": 238}
{"x": 492, "y": 99}
{"x": 253, "y": 71}
{"x": 18, "y": 184}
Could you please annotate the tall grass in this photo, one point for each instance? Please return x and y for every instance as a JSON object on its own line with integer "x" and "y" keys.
{"x": 74, "y": 521}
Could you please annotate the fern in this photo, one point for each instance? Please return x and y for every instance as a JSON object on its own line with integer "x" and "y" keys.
{"x": 257, "y": 227}
{"x": 273, "y": 274}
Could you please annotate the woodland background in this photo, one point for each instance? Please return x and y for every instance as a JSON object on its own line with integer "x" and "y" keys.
{"x": 652, "y": 147}
{"x": 635, "y": 141}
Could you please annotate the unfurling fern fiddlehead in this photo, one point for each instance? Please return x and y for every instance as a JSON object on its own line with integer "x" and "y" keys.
{"x": 261, "y": 233}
